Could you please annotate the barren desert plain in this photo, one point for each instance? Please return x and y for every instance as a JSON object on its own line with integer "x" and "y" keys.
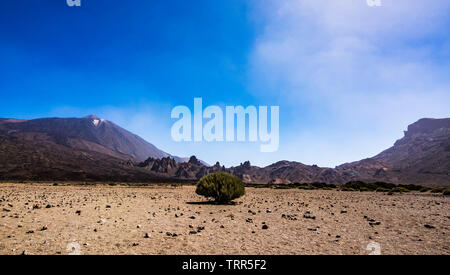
{"x": 63, "y": 219}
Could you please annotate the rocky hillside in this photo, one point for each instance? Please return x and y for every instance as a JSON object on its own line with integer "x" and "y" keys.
{"x": 422, "y": 156}
{"x": 94, "y": 149}
{"x": 89, "y": 133}
{"x": 86, "y": 148}
{"x": 34, "y": 156}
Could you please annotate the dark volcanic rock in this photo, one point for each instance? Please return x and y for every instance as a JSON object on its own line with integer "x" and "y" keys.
{"x": 77, "y": 149}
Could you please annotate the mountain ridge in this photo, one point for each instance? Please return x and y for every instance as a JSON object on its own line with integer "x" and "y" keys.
{"x": 91, "y": 148}
{"x": 89, "y": 133}
{"x": 422, "y": 156}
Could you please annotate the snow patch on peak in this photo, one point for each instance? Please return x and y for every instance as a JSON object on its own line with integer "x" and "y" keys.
{"x": 95, "y": 120}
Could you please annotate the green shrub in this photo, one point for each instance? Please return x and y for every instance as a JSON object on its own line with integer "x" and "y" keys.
{"x": 318, "y": 185}
{"x": 360, "y": 186}
{"x": 283, "y": 186}
{"x": 355, "y": 185}
{"x": 399, "y": 190}
{"x": 383, "y": 185}
{"x": 411, "y": 187}
{"x": 221, "y": 186}
{"x": 364, "y": 189}
{"x": 437, "y": 190}
{"x": 446, "y": 192}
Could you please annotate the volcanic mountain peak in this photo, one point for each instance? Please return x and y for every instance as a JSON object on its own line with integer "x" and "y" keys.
{"x": 88, "y": 133}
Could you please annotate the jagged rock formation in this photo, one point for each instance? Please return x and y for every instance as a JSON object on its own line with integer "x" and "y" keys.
{"x": 193, "y": 169}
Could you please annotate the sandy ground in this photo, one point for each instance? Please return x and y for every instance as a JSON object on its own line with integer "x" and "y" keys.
{"x": 45, "y": 219}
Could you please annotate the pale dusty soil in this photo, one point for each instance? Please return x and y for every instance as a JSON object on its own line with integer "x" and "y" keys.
{"x": 121, "y": 228}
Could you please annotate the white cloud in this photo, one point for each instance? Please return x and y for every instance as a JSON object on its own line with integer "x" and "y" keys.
{"x": 374, "y": 70}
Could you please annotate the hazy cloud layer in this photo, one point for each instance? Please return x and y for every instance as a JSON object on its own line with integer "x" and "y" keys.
{"x": 366, "y": 71}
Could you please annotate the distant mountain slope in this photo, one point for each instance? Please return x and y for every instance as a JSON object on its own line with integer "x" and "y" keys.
{"x": 283, "y": 172}
{"x": 422, "y": 156}
{"x": 286, "y": 172}
{"x": 425, "y": 148}
{"x": 34, "y": 156}
{"x": 86, "y": 148}
{"x": 89, "y": 133}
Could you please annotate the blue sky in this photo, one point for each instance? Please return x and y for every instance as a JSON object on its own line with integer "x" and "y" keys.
{"x": 348, "y": 77}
